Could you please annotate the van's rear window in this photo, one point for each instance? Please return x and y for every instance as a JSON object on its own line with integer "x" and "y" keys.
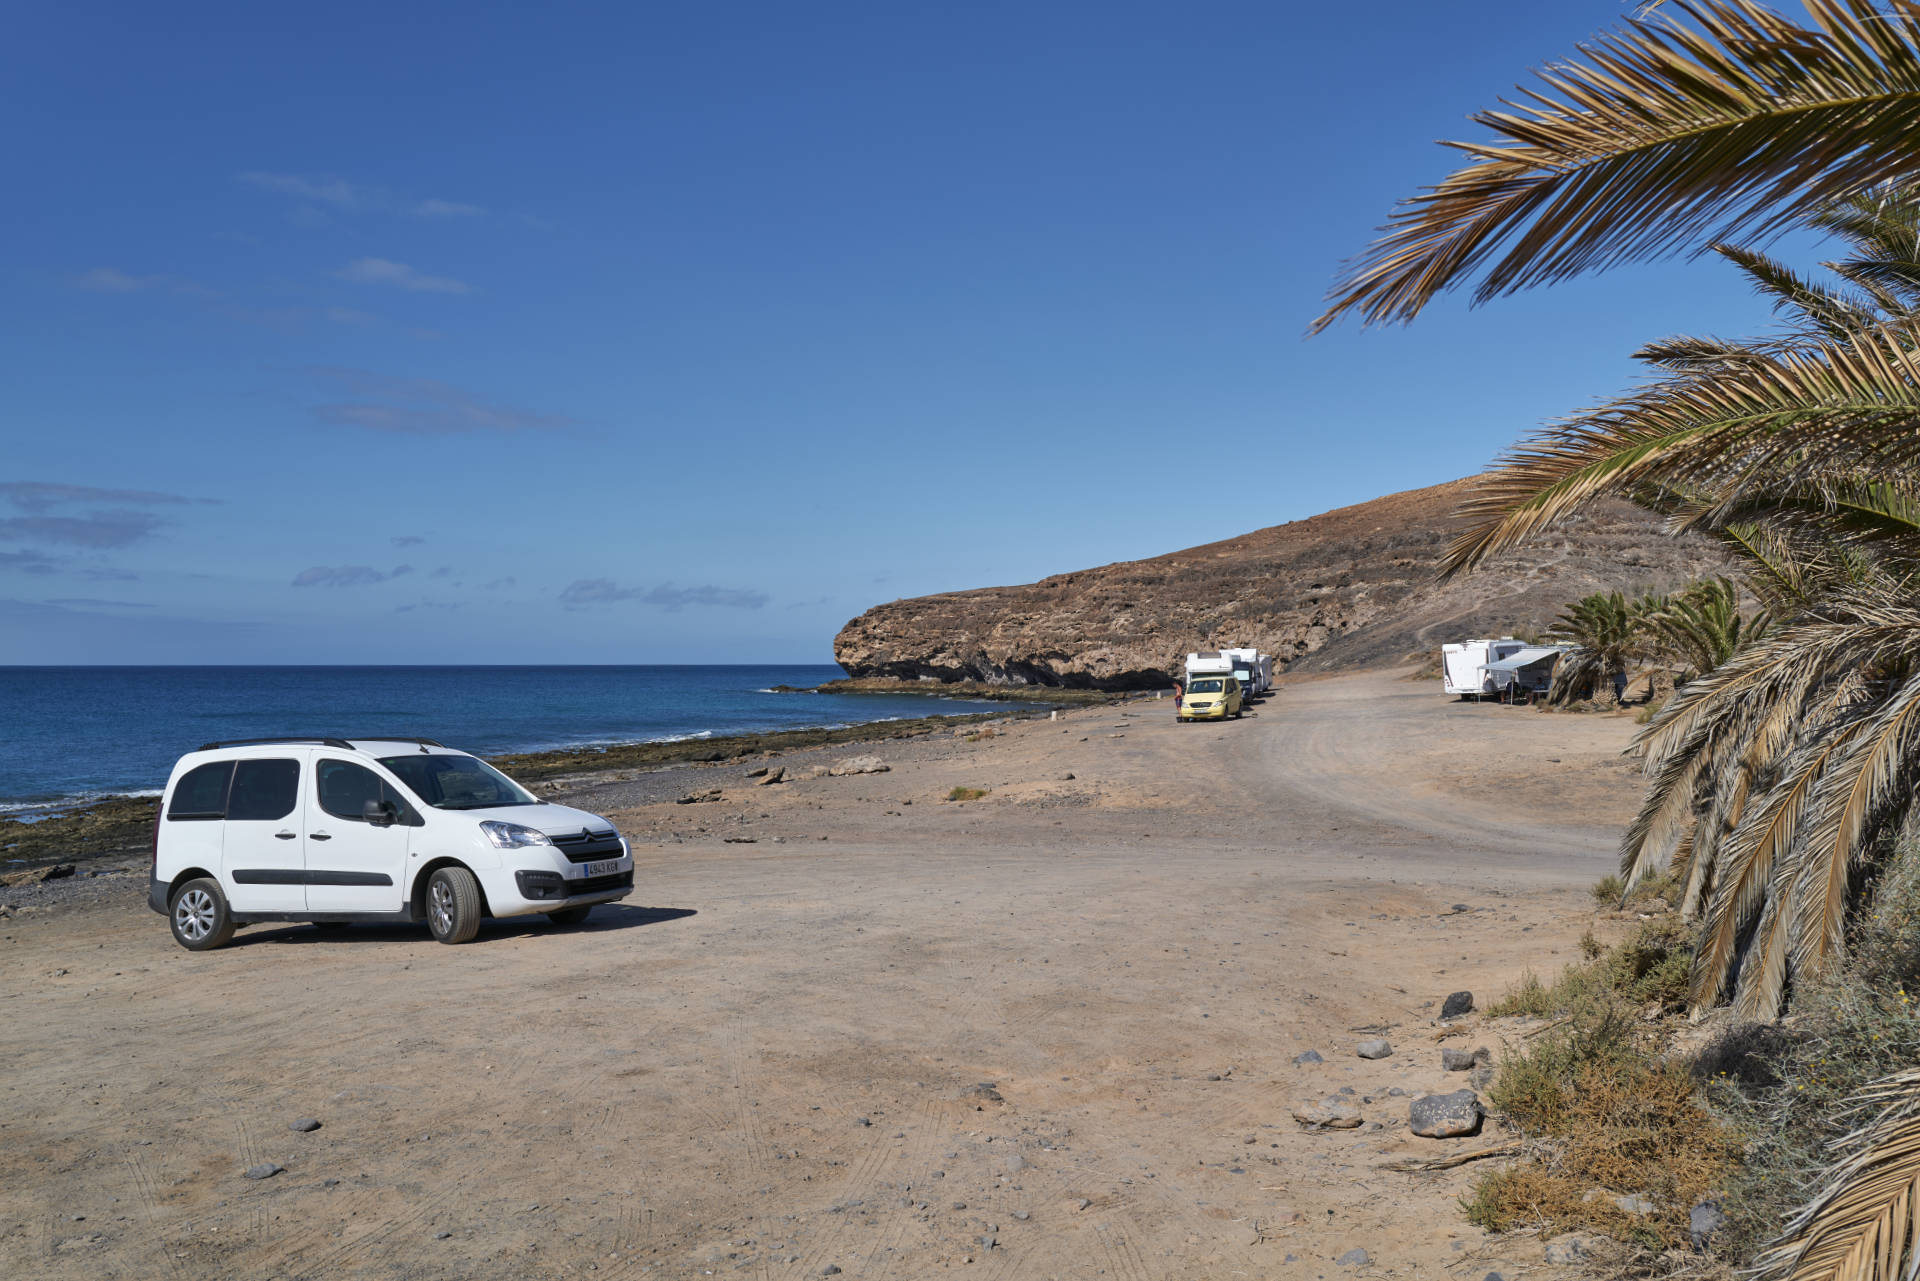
{"x": 202, "y": 792}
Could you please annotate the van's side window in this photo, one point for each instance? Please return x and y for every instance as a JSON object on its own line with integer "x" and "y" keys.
{"x": 345, "y": 790}
{"x": 202, "y": 792}
{"x": 263, "y": 790}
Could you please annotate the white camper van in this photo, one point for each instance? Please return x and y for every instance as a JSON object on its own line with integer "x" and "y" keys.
{"x": 1209, "y": 662}
{"x": 1463, "y": 666}
{"x": 1246, "y": 667}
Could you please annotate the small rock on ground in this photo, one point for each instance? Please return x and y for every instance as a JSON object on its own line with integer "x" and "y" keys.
{"x": 1703, "y": 1221}
{"x": 1374, "y": 1049}
{"x": 1445, "y": 1116}
{"x": 1330, "y": 1113}
{"x": 265, "y": 1170}
{"x": 1456, "y": 1061}
{"x": 1456, "y": 1004}
{"x": 1307, "y": 1056}
{"x": 1354, "y": 1258}
{"x": 305, "y": 1125}
{"x": 1569, "y": 1250}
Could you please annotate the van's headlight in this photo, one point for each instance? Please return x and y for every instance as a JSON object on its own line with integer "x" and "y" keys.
{"x": 512, "y": 836}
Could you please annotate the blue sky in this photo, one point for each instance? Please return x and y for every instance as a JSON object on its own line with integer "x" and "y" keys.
{"x": 644, "y": 333}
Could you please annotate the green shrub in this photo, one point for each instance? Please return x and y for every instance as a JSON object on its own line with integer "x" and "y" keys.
{"x": 967, "y": 793}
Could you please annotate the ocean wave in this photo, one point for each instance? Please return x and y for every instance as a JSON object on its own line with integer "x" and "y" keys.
{"x": 32, "y": 811}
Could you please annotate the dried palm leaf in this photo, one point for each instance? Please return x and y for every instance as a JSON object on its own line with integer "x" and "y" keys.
{"x": 1710, "y": 119}
{"x": 1861, "y": 1225}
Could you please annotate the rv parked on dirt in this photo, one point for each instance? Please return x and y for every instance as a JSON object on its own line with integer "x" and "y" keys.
{"x": 1208, "y": 662}
{"x": 1463, "y": 666}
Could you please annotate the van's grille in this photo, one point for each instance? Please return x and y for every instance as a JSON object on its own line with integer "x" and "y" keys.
{"x": 586, "y": 846}
{"x": 595, "y": 884}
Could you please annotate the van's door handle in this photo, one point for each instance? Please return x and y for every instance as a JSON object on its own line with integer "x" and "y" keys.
{"x": 318, "y": 836}
{"x": 285, "y": 836}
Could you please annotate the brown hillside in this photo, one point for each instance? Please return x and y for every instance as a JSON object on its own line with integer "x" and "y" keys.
{"x": 1347, "y": 589}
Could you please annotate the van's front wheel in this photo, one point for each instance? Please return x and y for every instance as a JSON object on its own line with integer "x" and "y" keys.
{"x": 453, "y": 905}
{"x": 199, "y": 916}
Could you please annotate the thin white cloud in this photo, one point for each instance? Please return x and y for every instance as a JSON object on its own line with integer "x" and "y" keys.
{"x": 384, "y": 271}
{"x": 84, "y": 602}
{"x": 337, "y": 192}
{"x": 112, "y": 280}
{"x": 604, "y": 591}
{"x": 446, "y": 209}
{"x": 344, "y": 576}
{"x": 41, "y": 495}
{"x": 350, "y": 316}
{"x": 423, "y": 407}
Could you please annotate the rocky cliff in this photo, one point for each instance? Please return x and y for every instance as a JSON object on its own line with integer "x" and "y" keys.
{"x": 1349, "y": 588}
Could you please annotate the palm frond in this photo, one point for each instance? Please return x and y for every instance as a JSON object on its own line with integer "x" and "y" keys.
{"x": 1843, "y": 406}
{"x": 1712, "y": 119}
{"x": 1861, "y": 1225}
{"x": 1816, "y": 305}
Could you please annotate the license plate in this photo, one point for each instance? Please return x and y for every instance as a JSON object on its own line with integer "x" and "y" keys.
{"x": 607, "y": 868}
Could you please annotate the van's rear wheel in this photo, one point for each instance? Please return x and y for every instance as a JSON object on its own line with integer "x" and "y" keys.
{"x": 199, "y": 916}
{"x": 570, "y": 915}
{"x": 453, "y": 905}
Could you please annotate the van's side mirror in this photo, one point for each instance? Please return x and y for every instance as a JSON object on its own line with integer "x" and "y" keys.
{"x": 378, "y": 813}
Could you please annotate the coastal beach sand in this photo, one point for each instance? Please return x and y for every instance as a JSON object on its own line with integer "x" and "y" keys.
{"x": 1048, "y": 1033}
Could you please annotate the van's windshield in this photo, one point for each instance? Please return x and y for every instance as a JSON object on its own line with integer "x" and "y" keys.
{"x": 1213, "y": 686}
{"x": 457, "y": 782}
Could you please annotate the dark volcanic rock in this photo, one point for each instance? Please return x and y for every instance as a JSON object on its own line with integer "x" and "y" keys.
{"x": 1443, "y": 1116}
{"x": 1456, "y": 1004}
{"x": 1348, "y": 589}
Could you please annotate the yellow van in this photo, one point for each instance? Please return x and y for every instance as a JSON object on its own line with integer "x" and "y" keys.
{"x": 1210, "y": 698}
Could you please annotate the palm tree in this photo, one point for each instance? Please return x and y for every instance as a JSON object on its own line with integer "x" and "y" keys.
{"x": 1774, "y": 773}
{"x": 1702, "y": 627}
{"x": 1608, "y": 633}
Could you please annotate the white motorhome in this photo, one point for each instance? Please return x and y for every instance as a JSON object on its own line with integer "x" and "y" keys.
{"x": 1266, "y": 671}
{"x": 1246, "y": 667}
{"x": 1209, "y": 662}
{"x": 1463, "y": 666}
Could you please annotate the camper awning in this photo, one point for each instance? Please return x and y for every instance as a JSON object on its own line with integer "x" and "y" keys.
{"x": 1525, "y": 658}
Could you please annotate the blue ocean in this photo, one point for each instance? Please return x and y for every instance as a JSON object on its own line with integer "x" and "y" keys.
{"x": 69, "y": 734}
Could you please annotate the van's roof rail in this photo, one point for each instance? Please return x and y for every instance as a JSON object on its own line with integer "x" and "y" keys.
{"x": 261, "y": 742}
{"x": 399, "y": 738}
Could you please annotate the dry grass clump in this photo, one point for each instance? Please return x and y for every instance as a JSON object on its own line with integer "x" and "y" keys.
{"x": 1648, "y": 968}
{"x": 979, "y": 735}
{"x": 968, "y": 793}
{"x": 1616, "y": 1116}
{"x": 1794, "y": 1087}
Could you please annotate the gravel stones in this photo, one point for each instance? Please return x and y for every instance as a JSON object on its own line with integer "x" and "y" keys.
{"x": 37, "y": 875}
{"x": 1456, "y": 1004}
{"x": 1306, "y": 1057}
{"x": 1374, "y": 1049}
{"x": 1703, "y": 1221}
{"x": 1445, "y": 1116}
{"x": 1330, "y": 1113}
{"x": 265, "y": 1170}
{"x": 305, "y": 1125}
{"x": 1569, "y": 1250}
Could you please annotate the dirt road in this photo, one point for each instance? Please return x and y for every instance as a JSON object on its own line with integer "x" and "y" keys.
{"x": 1047, "y": 1033}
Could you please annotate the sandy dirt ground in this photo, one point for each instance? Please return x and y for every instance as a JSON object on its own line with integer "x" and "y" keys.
{"x": 768, "y": 1063}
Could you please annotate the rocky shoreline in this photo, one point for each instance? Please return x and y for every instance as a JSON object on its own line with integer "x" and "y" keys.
{"x": 118, "y": 825}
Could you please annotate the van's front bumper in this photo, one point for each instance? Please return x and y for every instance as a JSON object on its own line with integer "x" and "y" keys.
{"x": 1213, "y": 712}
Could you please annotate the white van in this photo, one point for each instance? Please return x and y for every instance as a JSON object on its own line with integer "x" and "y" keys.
{"x": 333, "y": 831}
